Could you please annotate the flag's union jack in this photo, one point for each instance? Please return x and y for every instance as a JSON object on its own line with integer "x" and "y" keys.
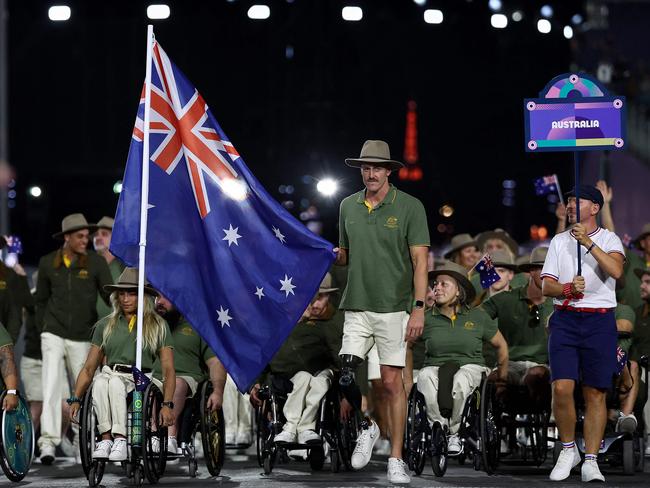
{"x": 187, "y": 131}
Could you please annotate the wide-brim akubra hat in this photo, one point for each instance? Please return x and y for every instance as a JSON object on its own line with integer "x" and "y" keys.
{"x": 645, "y": 231}
{"x": 326, "y": 285}
{"x": 459, "y": 242}
{"x": 375, "y": 153}
{"x": 105, "y": 223}
{"x": 128, "y": 280}
{"x": 483, "y": 237}
{"x": 537, "y": 258}
{"x": 457, "y": 272}
{"x": 502, "y": 259}
{"x": 73, "y": 223}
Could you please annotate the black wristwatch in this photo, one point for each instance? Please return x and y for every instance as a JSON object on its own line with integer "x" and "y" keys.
{"x": 418, "y": 304}
{"x": 169, "y": 405}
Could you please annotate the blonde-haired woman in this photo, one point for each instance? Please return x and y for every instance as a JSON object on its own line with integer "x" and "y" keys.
{"x": 114, "y": 340}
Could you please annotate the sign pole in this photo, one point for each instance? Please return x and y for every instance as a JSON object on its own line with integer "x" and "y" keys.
{"x": 576, "y": 162}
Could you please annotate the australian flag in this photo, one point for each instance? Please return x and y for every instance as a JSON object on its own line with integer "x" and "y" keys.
{"x": 487, "y": 273}
{"x": 546, "y": 185}
{"x": 233, "y": 261}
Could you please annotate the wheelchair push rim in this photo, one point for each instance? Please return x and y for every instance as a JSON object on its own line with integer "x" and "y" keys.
{"x": 153, "y": 463}
{"x": 213, "y": 434}
{"x": 17, "y": 440}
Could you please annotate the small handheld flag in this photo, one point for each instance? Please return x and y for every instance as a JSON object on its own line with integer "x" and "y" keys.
{"x": 487, "y": 272}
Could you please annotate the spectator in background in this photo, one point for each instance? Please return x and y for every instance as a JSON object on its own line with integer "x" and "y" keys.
{"x": 464, "y": 251}
{"x": 101, "y": 243}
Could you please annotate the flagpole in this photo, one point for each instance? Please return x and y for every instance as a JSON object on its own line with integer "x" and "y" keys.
{"x": 559, "y": 191}
{"x": 144, "y": 199}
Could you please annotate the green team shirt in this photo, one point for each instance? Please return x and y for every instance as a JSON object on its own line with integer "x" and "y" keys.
{"x": 191, "y": 353}
{"x": 460, "y": 340}
{"x": 380, "y": 272}
{"x": 120, "y": 348}
{"x": 641, "y": 334}
{"x": 526, "y": 337}
{"x": 625, "y": 312}
{"x": 631, "y": 293}
{"x": 5, "y": 340}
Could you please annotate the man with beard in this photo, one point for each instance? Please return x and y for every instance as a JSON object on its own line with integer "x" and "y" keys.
{"x": 193, "y": 359}
{"x": 101, "y": 243}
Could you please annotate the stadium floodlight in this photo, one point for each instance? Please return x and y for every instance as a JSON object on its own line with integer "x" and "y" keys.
{"x": 35, "y": 191}
{"x": 259, "y": 12}
{"x": 568, "y": 31}
{"x": 433, "y": 16}
{"x": 327, "y": 187}
{"x": 59, "y": 13}
{"x": 499, "y": 21}
{"x": 158, "y": 11}
{"x": 544, "y": 26}
{"x": 352, "y": 14}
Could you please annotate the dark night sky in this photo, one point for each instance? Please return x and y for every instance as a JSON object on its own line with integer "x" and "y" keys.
{"x": 74, "y": 90}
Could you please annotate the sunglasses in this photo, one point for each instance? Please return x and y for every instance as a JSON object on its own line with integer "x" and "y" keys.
{"x": 534, "y": 317}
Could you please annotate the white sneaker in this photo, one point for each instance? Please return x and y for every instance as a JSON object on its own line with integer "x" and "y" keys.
{"x": 309, "y": 437}
{"x": 365, "y": 442}
{"x": 103, "y": 449}
{"x": 454, "y": 446}
{"x": 230, "y": 437}
{"x": 566, "y": 461}
{"x": 48, "y": 454}
{"x": 285, "y": 437}
{"x": 397, "y": 471}
{"x": 626, "y": 423}
{"x": 298, "y": 454}
{"x": 382, "y": 448}
{"x": 118, "y": 451}
{"x": 172, "y": 445}
{"x": 591, "y": 472}
{"x": 155, "y": 444}
{"x": 243, "y": 438}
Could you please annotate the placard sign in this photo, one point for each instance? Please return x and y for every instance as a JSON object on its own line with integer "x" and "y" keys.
{"x": 574, "y": 113}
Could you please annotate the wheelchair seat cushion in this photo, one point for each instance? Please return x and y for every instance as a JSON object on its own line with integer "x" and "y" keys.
{"x": 446, "y": 374}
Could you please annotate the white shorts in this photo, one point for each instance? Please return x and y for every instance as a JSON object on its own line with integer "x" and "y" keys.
{"x": 31, "y": 373}
{"x": 362, "y": 330}
{"x": 192, "y": 384}
{"x": 517, "y": 370}
{"x": 374, "y": 371}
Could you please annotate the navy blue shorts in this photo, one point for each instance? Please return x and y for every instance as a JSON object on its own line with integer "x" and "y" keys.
{"x": 582, "y": 347}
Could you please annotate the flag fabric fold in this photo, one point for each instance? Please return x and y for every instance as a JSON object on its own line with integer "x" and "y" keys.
{"x": 234, "y": 262}
{"x": 487, "y": 273}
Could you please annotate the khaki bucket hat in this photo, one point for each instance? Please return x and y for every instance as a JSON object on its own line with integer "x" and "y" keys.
{"x": 459, "y": 242}
{"x": 73, "y": 223}
{"x": 128, "y": 280}
{"x": 106, "y": 223}
{"x": 457, "y": 272}
{"x": 326, "y": 285}
{"x": 537, "y": 258}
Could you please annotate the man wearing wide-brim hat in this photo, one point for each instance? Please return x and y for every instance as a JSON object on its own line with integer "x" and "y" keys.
{"x": 306, "y": 360}
{"x": 101, "y": 243}
{"x": 69, "y": 281}
{"x": 454, "y": 336}
{"x": 463, "y": 251}
{"x": 522, "y": 315}
{"x": 384, "y": 240}
{"x": 505, "y": 267}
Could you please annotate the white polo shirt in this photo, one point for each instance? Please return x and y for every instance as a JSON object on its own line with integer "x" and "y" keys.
{"x": 562, "y": 264}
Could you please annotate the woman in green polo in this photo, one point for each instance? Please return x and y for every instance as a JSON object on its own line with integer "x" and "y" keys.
{"x": 454, "y": 334}
{"x": 114, "y": 340}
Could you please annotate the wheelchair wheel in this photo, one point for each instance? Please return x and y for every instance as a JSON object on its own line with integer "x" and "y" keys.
{"x": 153, "y": 462}
{"x": 538, "y": 432}
{"x": 316, "y": 458}
{"x": 16, "y": 441}
{"x": 348, "y": 431}
{"x": 489, "y": 428}
{"x": 628, "y": 457}
{"x": 416, "y": 435}
{"x": 335, "y": 462}
{"x": 213, "y": 433}
{"x": 438, "y": 450}
{"x": 93, "y": 468}
{"x": 640, "y": 460}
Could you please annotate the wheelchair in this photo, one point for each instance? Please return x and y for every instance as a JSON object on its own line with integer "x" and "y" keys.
{"x": 196, "y": 417}
{"x": 16, "y": 440}
{"x": 142, "y": 462}
{"x": 339, "y": 437}
{"x": 421, "y": 439}
{"x": 622, "y": 449}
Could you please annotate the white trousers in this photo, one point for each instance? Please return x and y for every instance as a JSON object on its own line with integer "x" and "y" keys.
{"x": 466, "y": 379}
{"x": 301, "y": 407}
{"x": 236, "y": 409}
{"x": 110, "y": 389}
{"x": 57, "y": 351}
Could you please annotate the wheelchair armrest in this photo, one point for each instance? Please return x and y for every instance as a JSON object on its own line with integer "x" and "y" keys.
{"x": 643, "y": 361}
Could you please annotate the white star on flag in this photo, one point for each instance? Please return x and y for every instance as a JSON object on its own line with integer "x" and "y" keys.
{"x": 223, "y": 317}
{"x": 287, "y": 286}
{"x": 259, "y": 292}
{"x": 231, "y": 235}
{"x": 278, "y": 234}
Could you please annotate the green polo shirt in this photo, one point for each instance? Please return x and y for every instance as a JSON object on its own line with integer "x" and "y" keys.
{"x": 460, "y": 340}
{"x": 5, "y": 340}
{"x": 115, "y": 267}
{"x": 380, "y": 271}
{"x": 631, "y": 293}
{"x": 120, "y": 348}
{"x": 641, "y": 334}
{"x": 526, "y": 337}
{"x": 625, "y": 312}
{"x": 191, "y": 353}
